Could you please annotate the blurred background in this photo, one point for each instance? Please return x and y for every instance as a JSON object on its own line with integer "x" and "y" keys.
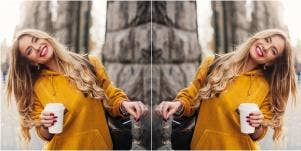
{"x": 150, "y": 49}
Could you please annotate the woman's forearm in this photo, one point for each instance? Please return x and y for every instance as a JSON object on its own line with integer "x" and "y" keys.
{"x": 44, "y": 133}
{"x": 258, "y": 133}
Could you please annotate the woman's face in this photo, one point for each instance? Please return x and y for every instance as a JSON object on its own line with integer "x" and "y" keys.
{"x": 37, "y": 50}
{"x": 265, "y": 50}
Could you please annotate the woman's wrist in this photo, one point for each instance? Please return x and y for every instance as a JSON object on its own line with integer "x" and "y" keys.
{"x": 258, "y": 132}
{"x": 123, "y": 110}
{"x": 180, "y": 109}
{"x": 43, "y": 132}
{"x": 258, "y": 127}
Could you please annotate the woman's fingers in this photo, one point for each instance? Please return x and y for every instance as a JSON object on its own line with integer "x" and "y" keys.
{"x": 255, "y": 125}
{"x": 255, "y": 116}
{"x": 161, "y": 108}
{"x": 171, "y": 112}
{"x": 47, "y": 125}
{"x": 165, "y": 109}
{"x": 158, "y": 109}
{"x": 47, "y": 119}
{"x": 132, "y": 112}
{"x": 258, "y": 113}
{"x": 255, "y": 119}
{"x": 138, "y": 110}
{"x": 144, "y": 108}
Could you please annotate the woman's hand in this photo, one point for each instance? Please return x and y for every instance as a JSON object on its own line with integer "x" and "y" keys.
{"x": 167, "y": 108}
{"x": 255, "y": 119}
{"x": 135, "y": 108}
{"x": 47, "y": 119}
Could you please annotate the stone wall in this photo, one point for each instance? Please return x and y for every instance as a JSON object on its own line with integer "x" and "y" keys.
{"x": 173, "y": 43}
{"x": 232, "y": 25}
{"x": 68, "y": 21}
{"x": 127, "y": 52}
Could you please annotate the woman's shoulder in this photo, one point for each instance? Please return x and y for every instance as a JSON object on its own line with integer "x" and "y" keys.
{"x": 94, "y": 60}
{"x": 207, "y": 61}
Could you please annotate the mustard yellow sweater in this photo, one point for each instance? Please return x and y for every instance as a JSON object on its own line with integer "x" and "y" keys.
{"x": 85, "y": 125}
{"x": 218, "y": 125}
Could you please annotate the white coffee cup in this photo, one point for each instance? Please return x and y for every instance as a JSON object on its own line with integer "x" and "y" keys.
{"x": 244, "y": 110}
{"x": 58, "y": 110}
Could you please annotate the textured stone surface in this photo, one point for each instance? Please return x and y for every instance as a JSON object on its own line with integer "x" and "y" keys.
{"x": 232, "y": 26}
{"x": 125, "y": 14}
{"x": 168, "y": 79}
{"x": 267, "y": 14}
{"x": 130, "y": 45}
{"x": 178, "y": 14}
{"x": 176, "y": 54}
{"x": 172, "y": 45}
{"x": 36, "y": 14}
{"x": 133, "y": 78}
{"x": 71, "y": 23}
{"x": 126, "y": 54}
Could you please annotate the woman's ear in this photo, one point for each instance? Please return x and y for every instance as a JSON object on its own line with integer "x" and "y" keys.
{"x": 267, "y": 64}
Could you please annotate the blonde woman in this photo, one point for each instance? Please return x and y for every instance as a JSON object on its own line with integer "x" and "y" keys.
{"x": 260, "y": 71}
{"x": 42, "y": 71}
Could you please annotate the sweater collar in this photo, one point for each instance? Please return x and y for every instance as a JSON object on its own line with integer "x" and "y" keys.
{"x": 253, "y": 72}
{"x": 47, "y": 72}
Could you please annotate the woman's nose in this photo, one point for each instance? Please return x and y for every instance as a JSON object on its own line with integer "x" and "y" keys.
{"x": 36, "y": 47}
{"x": 266, "y": 47}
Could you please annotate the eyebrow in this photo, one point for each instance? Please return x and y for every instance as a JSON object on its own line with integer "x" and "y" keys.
{"x": 32, "y": 39}
{"x": 270, "y": 39}
{"x": 27, "y": 49}
{"x": 274, "y": 46}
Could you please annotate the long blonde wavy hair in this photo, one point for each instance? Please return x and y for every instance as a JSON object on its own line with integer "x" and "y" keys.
{"x": 280, "y": 76}
{"x": 22, "y": 75}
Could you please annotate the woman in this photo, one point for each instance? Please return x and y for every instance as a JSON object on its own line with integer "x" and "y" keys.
{"x": 260, "y": 71}
{"x": 42, "y": 71}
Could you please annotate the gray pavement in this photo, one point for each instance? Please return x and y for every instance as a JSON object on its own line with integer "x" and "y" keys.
{"x": 292, "y": 129}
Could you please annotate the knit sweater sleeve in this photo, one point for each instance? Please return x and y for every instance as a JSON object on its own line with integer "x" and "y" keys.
{"x": 188, "y": 95}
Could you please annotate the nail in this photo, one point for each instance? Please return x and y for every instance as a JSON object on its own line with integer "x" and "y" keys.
{"x": 248, "y": 121}
{"x": 51, "y": 114}
{"x": 250, "y": 114}
{"x": 247, "y": 116}
{"x": 54, "y": 120}
{"x": 55, "y": 116}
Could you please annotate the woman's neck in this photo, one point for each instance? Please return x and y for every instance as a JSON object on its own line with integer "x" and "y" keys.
{"x": 52, "y": 65}
{"x": 250, "y": 65}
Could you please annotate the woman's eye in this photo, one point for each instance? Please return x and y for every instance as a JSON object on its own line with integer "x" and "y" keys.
{"x": 29, "y": 51}
{"x": 274, "y": 51}
{"x": 266, "y": 39}
{"x": 35, "y": 39}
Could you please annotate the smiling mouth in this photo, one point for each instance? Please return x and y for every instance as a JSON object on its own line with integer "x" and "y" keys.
{"x": 259, "y": 51}
{"x": 44, "y": 51}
